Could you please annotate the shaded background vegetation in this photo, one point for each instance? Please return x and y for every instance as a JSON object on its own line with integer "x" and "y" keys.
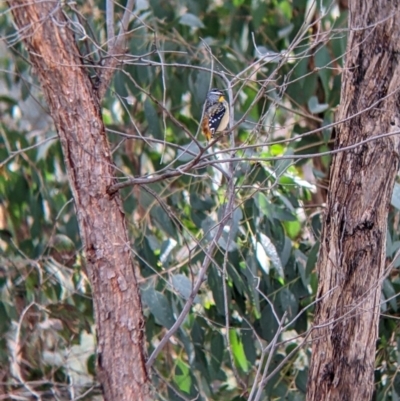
{"x": 250, "y": 321}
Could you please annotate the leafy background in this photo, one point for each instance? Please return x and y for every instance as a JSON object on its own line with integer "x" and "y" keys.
{"x": 246, "y": 336}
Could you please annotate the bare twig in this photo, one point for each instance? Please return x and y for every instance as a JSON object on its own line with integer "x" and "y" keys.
{"x": 271, "y": 353}
{"x": 116, "y": 45}
{"x": 16, "y": 352}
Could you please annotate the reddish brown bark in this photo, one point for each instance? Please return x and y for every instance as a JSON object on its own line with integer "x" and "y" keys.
{"x": 352, "y": 255}
{"x": 75, "y": 108}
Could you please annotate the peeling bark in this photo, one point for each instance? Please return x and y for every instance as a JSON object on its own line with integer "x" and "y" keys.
{"x": 352, "y": 255}
{"x": 75, "y": 109}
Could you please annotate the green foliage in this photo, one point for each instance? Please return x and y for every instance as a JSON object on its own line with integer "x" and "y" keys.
{"x": 254, "y": 308}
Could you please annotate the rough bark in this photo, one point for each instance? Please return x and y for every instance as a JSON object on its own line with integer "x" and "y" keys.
{"x": 351, "y": 260}
{"x": 75, "y": 108}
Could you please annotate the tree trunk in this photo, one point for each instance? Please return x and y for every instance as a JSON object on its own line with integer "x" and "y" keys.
{"x": 75, "y": 108}
{"x": 352, "y": 254}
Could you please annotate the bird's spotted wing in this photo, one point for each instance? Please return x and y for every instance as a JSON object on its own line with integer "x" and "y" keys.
{"x": 215, "y": 118}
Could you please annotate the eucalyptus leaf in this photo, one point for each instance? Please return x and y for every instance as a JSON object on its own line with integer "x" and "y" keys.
{"x": 238, "y": 350}
{"x": 323, "y": 61}
{"x": 267, "y": 55}
{"x": 152, "y": 119}
{"x": 183, "y": 286}
{"x": 159, "y": 306}
{"x": 396, "y": 196}
{"x": 271, "y": 252}
{"x": 284, "y": 32}
{"x": 315, "y": 107}
{"x": 187, "y": 152}
{"x": 191, "y": 20}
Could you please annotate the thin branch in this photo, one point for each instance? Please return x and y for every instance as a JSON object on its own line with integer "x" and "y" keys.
{"x": 110, "y": 23}
{"x": 271, "y": 352}
{"x": 227, "y": 215}
{"x": 15, "y": 351}
{"x": 116, "y": 46}
{"x": 195, "y": 163}
{"x": 18, "y": 152}
{"x": 159, "y": 177}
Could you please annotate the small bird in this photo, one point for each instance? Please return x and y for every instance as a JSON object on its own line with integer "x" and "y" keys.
{"x": 216, "y": 114}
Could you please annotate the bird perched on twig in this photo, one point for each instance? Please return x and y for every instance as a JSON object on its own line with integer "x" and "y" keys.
{"x": 216, "y": 114}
